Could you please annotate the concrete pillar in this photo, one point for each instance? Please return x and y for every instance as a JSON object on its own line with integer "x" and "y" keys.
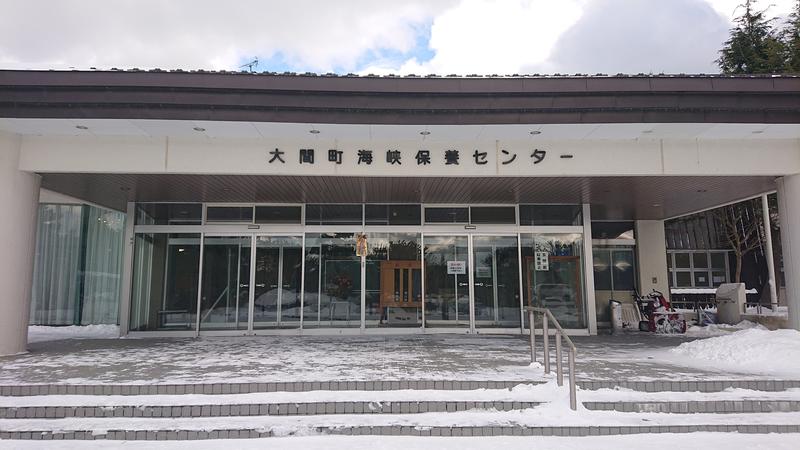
{"x": 651, "y": 256}
{"x": 19, "y": 202}
{"x": 770, "y": 256}
{"x": 789, "y": 211}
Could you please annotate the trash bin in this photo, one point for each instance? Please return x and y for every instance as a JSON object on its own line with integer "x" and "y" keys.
{"x": 731, "y": 301}
{"x": 616, "y": 316}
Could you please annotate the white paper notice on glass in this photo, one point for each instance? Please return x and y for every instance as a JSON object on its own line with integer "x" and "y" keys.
{"x": 456, "y": 267}
{"x": 542, "y": 261}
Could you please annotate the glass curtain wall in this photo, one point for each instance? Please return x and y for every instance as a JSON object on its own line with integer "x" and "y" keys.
{"x": 166, "y": 269}
{"x": 446, "y": 281}
{"x": 553, "y": 276}
{"x": 393, "y": 280}
{"x": 78, "y": 265}
{"x": 332, "y": 281}
{"x": 496, "y": 280}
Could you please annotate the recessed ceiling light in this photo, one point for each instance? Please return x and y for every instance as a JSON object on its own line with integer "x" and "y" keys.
{"x": 536, "y": 132}
{"x": 81, "y": 127}
{"x": 425, "y": 133}
{"x": 314, "y": 131}
{"x": 656, "y": 205}
{"x": 200, "y": 129}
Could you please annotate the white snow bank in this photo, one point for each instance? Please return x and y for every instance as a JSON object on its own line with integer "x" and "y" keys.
{"x": 754, "y": 350}
{"x": 38, "y": 333}
{"x": 721, "y": 329}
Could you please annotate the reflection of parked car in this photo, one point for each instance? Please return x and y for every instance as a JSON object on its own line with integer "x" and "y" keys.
{"x": 561, "y": 300}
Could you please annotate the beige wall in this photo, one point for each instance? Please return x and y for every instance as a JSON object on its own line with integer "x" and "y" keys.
{"x": 651, "y": 256}
{"x": 19, "y": 197}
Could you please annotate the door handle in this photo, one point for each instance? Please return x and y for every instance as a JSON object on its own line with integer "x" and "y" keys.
{"x": 244, "y": 285}
{"x": 260, "y": 285}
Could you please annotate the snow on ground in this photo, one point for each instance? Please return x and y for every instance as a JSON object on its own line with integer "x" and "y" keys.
{"x": 721, "y": 329}
{"x": 521, "y": 393}
{"x": 42, "y": 333}
{"x": 708, "y": 441}
{"x": 754, "y": 350}
{"x": 556, "y": 414}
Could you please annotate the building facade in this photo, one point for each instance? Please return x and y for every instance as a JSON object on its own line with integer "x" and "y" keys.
{"x": 264, "y": 203}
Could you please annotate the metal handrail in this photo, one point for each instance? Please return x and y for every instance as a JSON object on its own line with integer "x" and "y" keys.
{"x": 547, "y": 317}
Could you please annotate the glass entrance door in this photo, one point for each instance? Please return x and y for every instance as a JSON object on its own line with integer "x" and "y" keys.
{"x": 496, "y": 281}
{"x": 447, "y": 281}
{"x": 225, "y": 293}
{"x": 276, "y": 303}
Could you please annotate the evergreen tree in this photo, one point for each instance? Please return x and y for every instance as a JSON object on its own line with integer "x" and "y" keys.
{"x": 791, "y": 40}
{"x": 753, "y": 46}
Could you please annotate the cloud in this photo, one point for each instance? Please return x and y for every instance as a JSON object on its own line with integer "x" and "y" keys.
{"x": 371, "y": 36}
{"x": 314, "y": 35}
{"x": 632, "y": 36}
{"x": 491, "y": 36}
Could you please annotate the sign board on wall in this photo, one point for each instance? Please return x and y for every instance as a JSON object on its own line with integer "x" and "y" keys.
{"x": 456, "y": 267}
{"x": 542, "y": 261}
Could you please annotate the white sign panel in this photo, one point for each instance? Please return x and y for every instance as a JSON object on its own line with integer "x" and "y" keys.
{"x": 456, "y": 267}
{"x": 542, "y": 261}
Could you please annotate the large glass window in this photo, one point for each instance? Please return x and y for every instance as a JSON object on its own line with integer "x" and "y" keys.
{"x": 613, "y": 230}
{"x": 278, "y": 214}
{"x": 169, "y": 213}
{"x": 550, "y": 215}
{"x": 446, "y": 281}
{"x": 333, "y": 281}
{"x": 697, "y": 268}
{"x": 553, "y": 276}
{"x": 493, "y": 215}
{"x": 394, "y": 280}
{"x": 446, "y": 215}
{"x": 613, "y": 269}
{"x": 225, "y": 299}
{"x": 392, "y": 214}
{"x": 229, "y": 214}
{"x": 166, "y": 268}
{"x": 334, "y": 214}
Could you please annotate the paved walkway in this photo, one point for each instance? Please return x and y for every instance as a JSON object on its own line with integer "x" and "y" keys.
{"x": 635, "y": 357}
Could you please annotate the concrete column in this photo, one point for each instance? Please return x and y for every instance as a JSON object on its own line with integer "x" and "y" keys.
{"x": 651, "y": 256}
{"x": 19, "y": 202}
{"x": 770, "y": 256}
{"x": 588, "y": 269}
{"x": 789, "y": 211}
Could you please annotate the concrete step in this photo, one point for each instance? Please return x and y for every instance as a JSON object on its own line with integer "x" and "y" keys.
{"x": 262, "y": 409}
{"x": 249, "y": 388}
{"x": 158, "y": 435}
{"x": 691, "y": 386}
{"x": 697, "y": 407}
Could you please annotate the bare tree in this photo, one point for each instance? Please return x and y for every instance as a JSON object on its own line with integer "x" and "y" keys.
{"x": 742, "y": 224}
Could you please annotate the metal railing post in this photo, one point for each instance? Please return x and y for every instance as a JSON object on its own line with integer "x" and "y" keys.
{"x": 533, "y": 336}
{"x": 573, "y": 402}
{"x": 546, "y": 339}
{"x": 559, "y": 358}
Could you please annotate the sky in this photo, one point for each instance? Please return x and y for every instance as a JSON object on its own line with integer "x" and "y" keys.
{"x": 421, "y": 37}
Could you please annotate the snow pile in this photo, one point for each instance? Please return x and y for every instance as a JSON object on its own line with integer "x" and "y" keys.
{"x": 754, "y": 350}
{"x": 37, "y": 333}
{"x": 721, "y": 329}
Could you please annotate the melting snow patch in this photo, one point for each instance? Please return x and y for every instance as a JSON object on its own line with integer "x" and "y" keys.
{"x": 753, "y": 350}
